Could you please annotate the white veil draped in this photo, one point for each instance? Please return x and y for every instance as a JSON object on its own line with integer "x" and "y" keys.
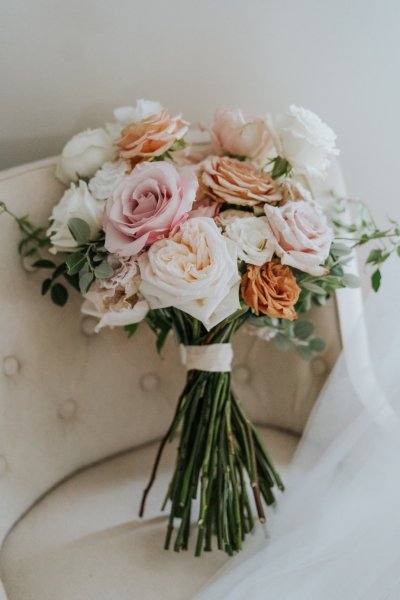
{"x": 335, "y": 534}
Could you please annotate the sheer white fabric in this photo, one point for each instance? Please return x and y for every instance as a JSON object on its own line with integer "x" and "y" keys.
{"x": 335, "y": 533}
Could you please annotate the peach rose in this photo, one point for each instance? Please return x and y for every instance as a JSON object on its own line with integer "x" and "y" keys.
{"x": 151, "y": 137}
{"x": 271, "y": 289}
{"x": 230, "y": 180}
{"x": 244, "y": 134}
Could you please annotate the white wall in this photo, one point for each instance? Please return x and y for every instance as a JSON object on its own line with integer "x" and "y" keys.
{"x": 66, "y": 63}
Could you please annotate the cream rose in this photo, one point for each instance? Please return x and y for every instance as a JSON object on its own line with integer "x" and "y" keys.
{"x": 240, "y": 133}
{"x": 84, "y": 154}
{"x": 194, "y": 270}
{"x": 304, "y": 140}
{"x": 107, "y": 178}
{"x": 77, "y": 201}
{"x": 301, "y": 234}
{"x": 115, "y": 301}
{"x": 251, "y": 236}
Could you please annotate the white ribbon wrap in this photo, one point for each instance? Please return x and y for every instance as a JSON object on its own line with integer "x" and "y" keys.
{"x": 216, "y": 358}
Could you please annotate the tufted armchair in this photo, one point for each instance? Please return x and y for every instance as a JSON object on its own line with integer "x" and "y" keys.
{"x": 80, "y": 416}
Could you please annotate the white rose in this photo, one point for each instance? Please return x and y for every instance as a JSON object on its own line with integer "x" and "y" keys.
{"x": 301, "y": 234}
{"x": 115, "y": 301}
{"x": 195, "y": 271}
{"x": 77, "y": 201}
{"x": 84, "y": 154}
{"x": 132, "y": 114}
{"x": 107, "y": 178}
{"x": 304, "y": 140}
{"x": 252, "y": 238}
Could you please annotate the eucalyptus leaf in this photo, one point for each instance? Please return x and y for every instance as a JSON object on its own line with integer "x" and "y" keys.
{"x": 312, "y": 287}
{"x": 59, "y": 294}
{"x": 43, "y": 263}
{"x": 103, "y": 270}
{"x": 80, "y": 230}
{"x": 75, "y": 262}
{"x": 85, "y": 280}
{"x": 303, "y": 329}
{"x": 282, "y": 342}
{"x": 317, "y": 344}
{"x": 46, "y": 285}
{"x": 351, "y": 281}
{"x": 304, "y": 352}
{"x": 340, "y": 249}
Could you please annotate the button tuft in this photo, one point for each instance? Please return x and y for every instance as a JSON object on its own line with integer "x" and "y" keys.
{"x": 319, "y": 366}
{"x": 67, "y": 410}
{"x": 242, "y": 374}
{"x": 88, "y": 325}
{"x": 149, "y": 382}
{"x": 10, "y": 366}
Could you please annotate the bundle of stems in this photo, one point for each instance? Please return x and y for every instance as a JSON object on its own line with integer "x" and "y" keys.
{"x": 221, "y": 461}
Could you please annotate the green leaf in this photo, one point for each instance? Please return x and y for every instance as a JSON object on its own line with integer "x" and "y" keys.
{"x": 160, "y": 326}
{"x": 79, "y": 229}
{"x": 75, "y": 262}
{"x": 374, "y": 256}
{"x": 103, "y": 270}
{"x": 131, "y": 329}
{"x": 85, "y": 280}
{"x": 281, "y": 167}
{"x": 59, "y": 294}
{"x": 351, "y": 281}
{"x": 398, "y": 250}
{"x": 340, "y": 249}
{"x": 317, "y": 344}
{"x": 282, "y": 342}
{"x": 376, "y": 280}
{"x": 44, "y": 264}
{"x": 304, "y": 352}
{"x": 303, "y": 329}
{"x": 312, "y": 287}
{"x": 46, "y": 285}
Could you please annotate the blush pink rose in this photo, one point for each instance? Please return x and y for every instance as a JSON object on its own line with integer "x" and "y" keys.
{"x": 240, "y": 133}
{"x": 147, "y": 205}
{"x": 301, "y": 234}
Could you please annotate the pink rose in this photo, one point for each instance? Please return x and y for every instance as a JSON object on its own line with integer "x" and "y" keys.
{"x": 240, "y": 133}
{"x": 301, "y": 234}
{"x": 147, "y": 205}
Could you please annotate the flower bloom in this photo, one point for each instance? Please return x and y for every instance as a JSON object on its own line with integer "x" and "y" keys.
{"x": 251, "y": 236}
{"x": 194, "y": 271}
{"x": 107, "y": 178}
{"x": 271, "y": 289}
{"x": 230, "y": 180}
{"x": 243, "y": 134}
{"x": 151, "y": 137}
{"x": 147, "y": 204}
{"x": 115, "y": 301}
{"x": 304, "y": 140}
{"x": 301, "y": 234}
{"x": 84, "y": 154}
{"x": 77, "y": 202}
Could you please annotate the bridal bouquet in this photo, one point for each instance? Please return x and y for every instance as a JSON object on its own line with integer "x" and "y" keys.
{"x": 200, "y": 239}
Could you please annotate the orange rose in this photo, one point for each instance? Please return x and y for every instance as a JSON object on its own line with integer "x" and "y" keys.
{"x": 151, "y": 137}
{"x": 230, "y": 180}
{"x": 271, "y": 289}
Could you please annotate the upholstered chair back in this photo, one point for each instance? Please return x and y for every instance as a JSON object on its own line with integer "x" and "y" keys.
{"x": 70, "y": 397}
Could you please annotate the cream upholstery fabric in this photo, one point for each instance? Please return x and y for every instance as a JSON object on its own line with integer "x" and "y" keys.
{"x": 69, "y": 398}
{"x": 84, "y": 541}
